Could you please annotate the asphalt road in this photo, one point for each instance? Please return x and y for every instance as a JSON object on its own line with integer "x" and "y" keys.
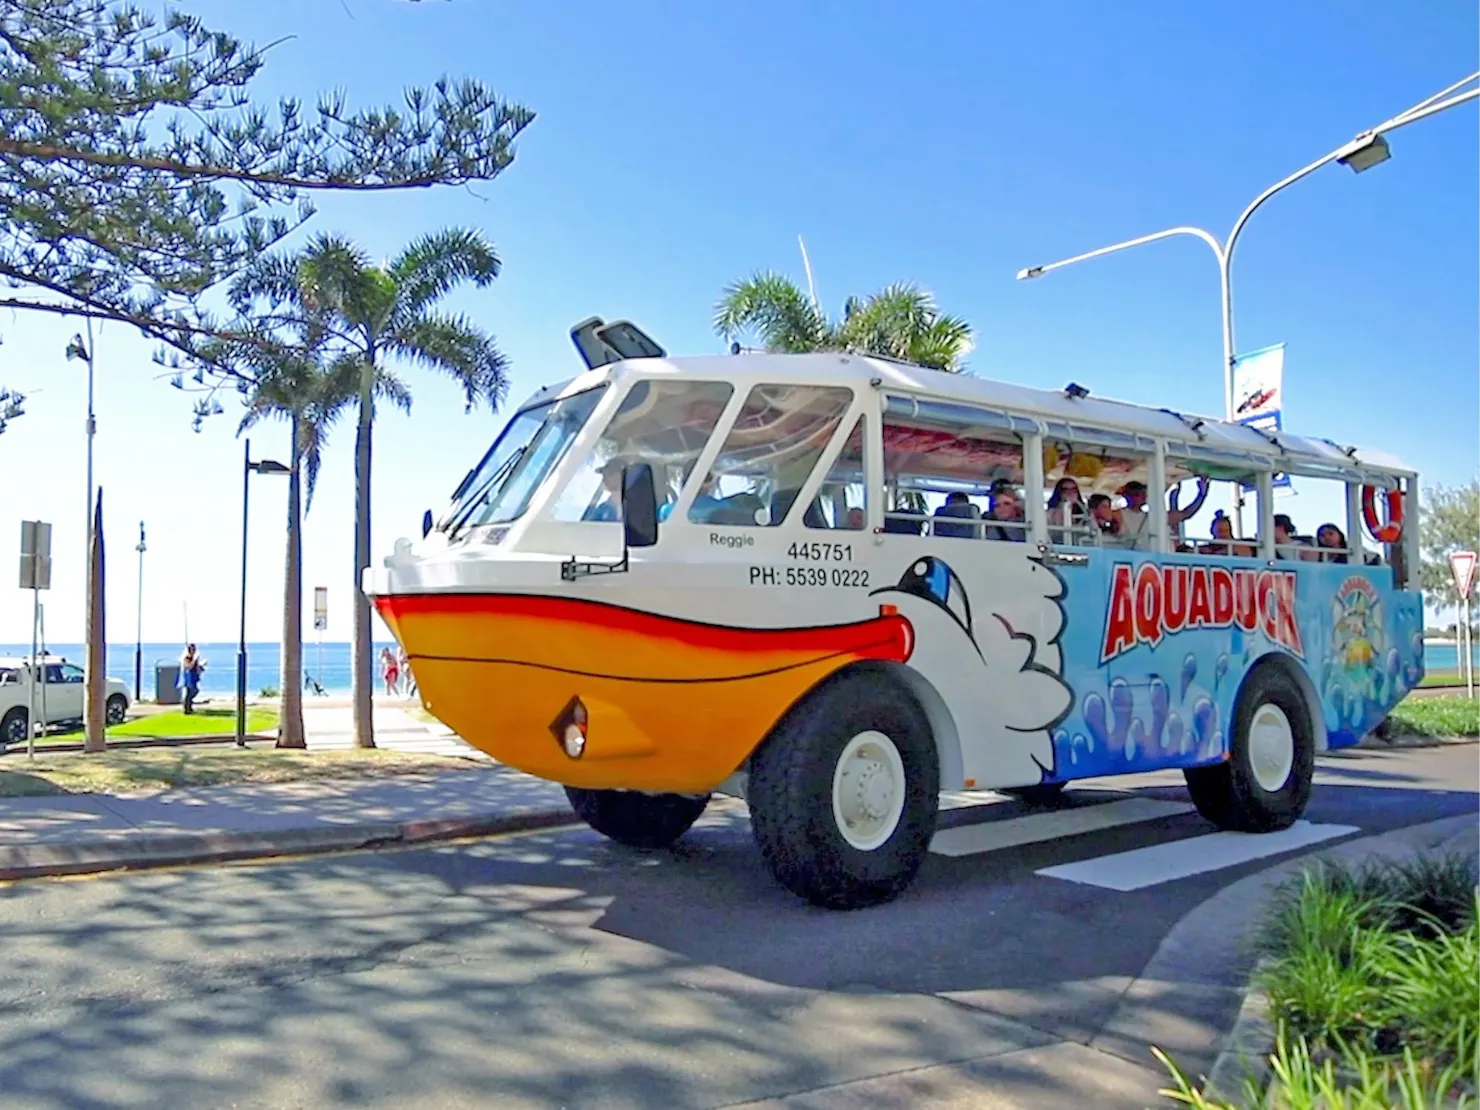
{"x": 557, "y": 970}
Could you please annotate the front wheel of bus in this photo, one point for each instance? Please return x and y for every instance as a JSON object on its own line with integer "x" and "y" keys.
{"x": 843, "y": 793}
{"x": 1264, "y": 784}
{"x": 634, "y": 819}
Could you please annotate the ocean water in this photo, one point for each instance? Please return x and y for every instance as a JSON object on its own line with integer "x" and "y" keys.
{"x": 332, "y": 669}
{"x": 331, "y": 665}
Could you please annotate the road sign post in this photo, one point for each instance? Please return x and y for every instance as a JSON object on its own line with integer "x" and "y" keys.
{"x": 35, "y": 576}
{"x": 1462, "y": 567}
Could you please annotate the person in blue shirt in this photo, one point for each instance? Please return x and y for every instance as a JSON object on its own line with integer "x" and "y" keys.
{"x": 609, "y": 508}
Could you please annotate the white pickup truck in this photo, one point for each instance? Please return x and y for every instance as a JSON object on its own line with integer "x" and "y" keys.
{"x": 64, "y": 685}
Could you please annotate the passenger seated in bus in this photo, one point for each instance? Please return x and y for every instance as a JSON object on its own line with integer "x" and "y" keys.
{"x": 1224, "y": 543}
{"x": 1133, "y": 518}
{"x": 1103, "y": 516}
{"x": 957, "y": 505}
{"x": 1331, "y": 544}
{"x": 1286, "y": 536}
{"x": 902, "y": 526}
{"x": 610, "y": 505}
{"x": 855, "y": 520}
{"x": 1008, "y": 510}
{"x": 1066, "y": 510}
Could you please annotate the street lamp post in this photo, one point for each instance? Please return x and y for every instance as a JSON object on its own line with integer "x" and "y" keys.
{"x": 265, "y": 466}
{"x": 76, "y": 349}
{"x": 139, "y": 627}
{"x": 1368, "y": 149}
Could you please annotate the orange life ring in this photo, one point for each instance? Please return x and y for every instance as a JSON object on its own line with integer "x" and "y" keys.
{"x": 1392, "y": 530}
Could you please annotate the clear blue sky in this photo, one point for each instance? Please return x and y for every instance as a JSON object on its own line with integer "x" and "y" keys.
{"x": 680, "y": 146}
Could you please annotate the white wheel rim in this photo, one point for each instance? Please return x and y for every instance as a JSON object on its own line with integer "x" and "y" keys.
{"x": 868, "y": 790}
{"x": 1271, "y": 747}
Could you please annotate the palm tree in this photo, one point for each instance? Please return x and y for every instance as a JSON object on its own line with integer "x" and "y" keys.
{"x": 310, "y": 396}
{"x": 901, "y": 321}
{"x": 366, "y": 315}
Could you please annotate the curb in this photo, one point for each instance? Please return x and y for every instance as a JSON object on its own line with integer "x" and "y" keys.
{"x": 35, "y": 861}
{"x": 70, "y": 746}
{"x": 1245, "y": 1057}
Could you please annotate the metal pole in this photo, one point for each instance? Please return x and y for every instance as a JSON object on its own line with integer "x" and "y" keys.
{"x": 92, "y": 427}
{"x": 139, "y": 627}
{"x": 1469, "y": 644}
{"x": 241, "y": 648}
{"x": 35, "y": 675}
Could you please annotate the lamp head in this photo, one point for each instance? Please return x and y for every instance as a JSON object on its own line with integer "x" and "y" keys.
{"x": 75, "y": 349}
{"x": 1364, "y": 152}
{"x": 1029, "y": 273}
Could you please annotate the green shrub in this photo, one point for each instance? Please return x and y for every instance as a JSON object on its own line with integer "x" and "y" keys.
{"x": 1436, "y": 716}
{"x": 1373, "y": 978}
{"x": 270, "y": 692}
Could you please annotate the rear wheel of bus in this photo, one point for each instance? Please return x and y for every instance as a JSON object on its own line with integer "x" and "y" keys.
{"x": 635, "y": 819}
{"x": 1265, "y": 783}
{"x": 843, "y": 793}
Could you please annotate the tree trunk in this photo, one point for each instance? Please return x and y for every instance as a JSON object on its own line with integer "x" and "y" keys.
{"x": 363, "y": 678}
{"x": 96, "y": 693}
{"x": 290, "y": 725}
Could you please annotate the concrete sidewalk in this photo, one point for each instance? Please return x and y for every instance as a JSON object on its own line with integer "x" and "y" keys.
{"x": 78, "y": 833}
{"x": 327, "y": 727}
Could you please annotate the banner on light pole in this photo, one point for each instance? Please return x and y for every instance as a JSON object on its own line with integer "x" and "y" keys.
{"x": 1259, "y": 394}
{"x": 320, "y": 608}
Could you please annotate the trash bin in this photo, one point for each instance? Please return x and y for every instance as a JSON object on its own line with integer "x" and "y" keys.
{"x": 165, "y": 690}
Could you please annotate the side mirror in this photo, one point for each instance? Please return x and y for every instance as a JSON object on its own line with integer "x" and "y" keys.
{"x": 426, "y": 524}
{"x": 639, "y": 506}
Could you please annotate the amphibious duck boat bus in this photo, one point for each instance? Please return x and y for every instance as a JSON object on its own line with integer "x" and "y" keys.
{"x": 835, "y": 586}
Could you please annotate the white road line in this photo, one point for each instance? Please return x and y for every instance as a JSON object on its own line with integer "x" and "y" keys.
{"x": 968, "y": 840}
{"x": 1179, "y": 859}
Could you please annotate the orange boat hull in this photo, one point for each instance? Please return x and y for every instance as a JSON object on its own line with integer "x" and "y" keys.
{"x": 671, "y": 705}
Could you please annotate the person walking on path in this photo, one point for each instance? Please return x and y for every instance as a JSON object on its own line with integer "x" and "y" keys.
{"x": 191, "y": 666}
{"x": 390, "y": 671}
{"x": 405, "y": 667}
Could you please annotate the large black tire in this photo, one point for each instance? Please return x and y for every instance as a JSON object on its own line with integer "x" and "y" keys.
{"x": 13, "y": 728}
{"x": 637, "y": 820}
{"x": 795, "y": 816}
{"x": 1041, "y": 795}
{"x": 117, "y": 709}
{"x": 1231, "y": 794}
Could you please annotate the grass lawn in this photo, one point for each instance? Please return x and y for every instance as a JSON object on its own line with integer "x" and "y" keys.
{"x": 1443, "y": 678}
{"x": 1436, "y": 716}
{"x": 174, "y": 722}
{"x": 1371, "y": 975}
{"x": 162, "y": 768}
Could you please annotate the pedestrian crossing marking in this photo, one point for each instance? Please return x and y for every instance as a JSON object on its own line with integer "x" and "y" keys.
{"x": 1181, "y": 859}
{"x": 993, "y": 836}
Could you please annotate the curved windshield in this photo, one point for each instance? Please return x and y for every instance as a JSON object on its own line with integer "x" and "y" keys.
{"x": 531, "y": 446}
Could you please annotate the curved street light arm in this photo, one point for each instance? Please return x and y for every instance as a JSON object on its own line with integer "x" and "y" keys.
{"x": 1205, "y": 236}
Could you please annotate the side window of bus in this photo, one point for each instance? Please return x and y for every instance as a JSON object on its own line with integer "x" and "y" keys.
{"x": 840, "y": 500}
{"x": 663, "y": 423}
{"x": 1097, "y": 495}
{"x": 956, "y": 483}
{"x": 769, "y": 453}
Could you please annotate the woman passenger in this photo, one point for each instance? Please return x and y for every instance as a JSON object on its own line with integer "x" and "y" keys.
{"x": 1332, "y": 542}
{"x": 1066, "y": 509}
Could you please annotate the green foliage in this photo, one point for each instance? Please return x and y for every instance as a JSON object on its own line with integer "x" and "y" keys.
{"x": 1371, "y": 973}
{"x": 1439, "y": 715}
{"x": 137, "y": 171}
{"x": 1450, "y": 521}
{"x": 900, "y": 322}
{"x": 270, "y": 691}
